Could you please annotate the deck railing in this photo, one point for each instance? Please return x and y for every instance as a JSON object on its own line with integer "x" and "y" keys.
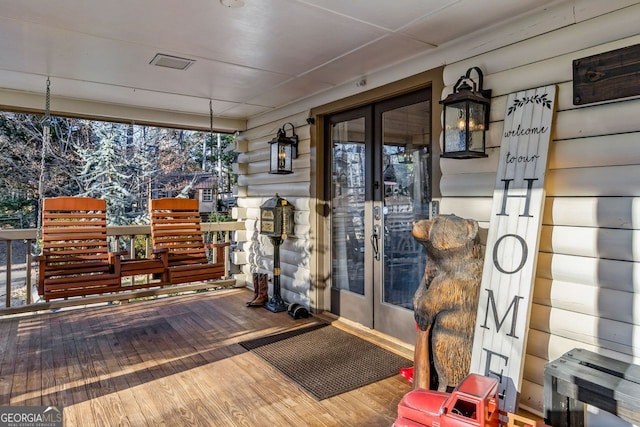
{"x": 135, "y": 239}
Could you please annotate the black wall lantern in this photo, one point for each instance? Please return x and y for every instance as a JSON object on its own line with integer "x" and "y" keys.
{"x": 283, "y": 150}
{"x": 466, "y": 118}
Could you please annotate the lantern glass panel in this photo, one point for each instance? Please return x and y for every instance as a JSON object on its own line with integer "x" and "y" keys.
{"x": 455, "y": 127}
{"x": 273, "y": 167}
{"x": 476, "y": 126}
{"x": 280, "y": 157}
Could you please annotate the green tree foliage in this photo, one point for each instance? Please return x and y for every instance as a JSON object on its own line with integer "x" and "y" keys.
{"x": 16, "y": 212}
{"x": 119, "y": 162}
{"x": 102, "y": 170}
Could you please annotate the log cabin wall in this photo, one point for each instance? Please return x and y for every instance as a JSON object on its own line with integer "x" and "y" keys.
{"x": 255, "y": 186}
{"x": 587, "y": 288}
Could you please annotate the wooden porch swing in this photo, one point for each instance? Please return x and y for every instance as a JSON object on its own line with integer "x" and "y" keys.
{"x": 175, "y": 227}
{"x": 76, "y": 260}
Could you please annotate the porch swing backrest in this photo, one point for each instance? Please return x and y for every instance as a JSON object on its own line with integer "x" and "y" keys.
{"x": 75, "y": 256}
{"x": 175, "y": 226}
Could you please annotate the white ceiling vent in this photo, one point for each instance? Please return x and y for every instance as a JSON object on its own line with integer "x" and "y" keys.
{"x": 175, "y": 62}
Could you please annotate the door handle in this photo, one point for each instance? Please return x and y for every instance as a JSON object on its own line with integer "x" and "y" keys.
{"x": 375, "y": 236}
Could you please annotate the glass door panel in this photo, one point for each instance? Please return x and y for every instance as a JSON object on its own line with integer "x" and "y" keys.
{"x": 406, "y": 160}
{"x": 348, "y": 191}
{"x": 351, "y": 272}
{"x": 404, "y": 140}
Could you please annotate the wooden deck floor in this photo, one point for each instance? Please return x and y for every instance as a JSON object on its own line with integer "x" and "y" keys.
{"x": 174, "y": 361}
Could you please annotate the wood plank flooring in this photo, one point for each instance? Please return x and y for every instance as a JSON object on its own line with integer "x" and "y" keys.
{"x": 173, "y": 361}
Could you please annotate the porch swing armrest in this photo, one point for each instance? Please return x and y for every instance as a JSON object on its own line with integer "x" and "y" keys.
{"x": 42, "y": 265}
{"x": 219, "y": 250}
{"x": 126, "y": 253}
{"x": 42, "y": 258}
{"x": 161, "y": 254}
{"x": 217, "y": 245}
{"x": 115, "y": 261}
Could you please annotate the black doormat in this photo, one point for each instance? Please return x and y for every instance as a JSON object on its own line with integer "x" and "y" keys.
{"x": 326, "y": 361}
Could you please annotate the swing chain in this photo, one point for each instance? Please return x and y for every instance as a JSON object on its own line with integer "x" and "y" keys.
{"x": 46, "y": 136}
{"x": 46, "y": 130}
{"x": 47, "y": 102}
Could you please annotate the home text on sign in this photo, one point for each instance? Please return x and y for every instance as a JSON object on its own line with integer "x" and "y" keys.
{"x": 512, "y": 243}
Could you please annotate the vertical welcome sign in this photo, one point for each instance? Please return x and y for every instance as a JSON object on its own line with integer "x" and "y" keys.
{"x": 499, "y": 343}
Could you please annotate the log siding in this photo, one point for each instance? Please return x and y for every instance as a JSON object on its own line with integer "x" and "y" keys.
{"x": 586, "y": 292}
{"x": 255, "y": 186}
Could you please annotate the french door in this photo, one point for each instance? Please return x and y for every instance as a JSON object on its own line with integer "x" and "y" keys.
{"x": 380, "y": 173}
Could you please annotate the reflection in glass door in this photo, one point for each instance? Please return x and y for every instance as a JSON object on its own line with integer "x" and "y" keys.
{"x": 351, "y": 293}
{"x": 348, "y": 212}
{"x": 403, "y": 136}
{"x": 406, "y": 198}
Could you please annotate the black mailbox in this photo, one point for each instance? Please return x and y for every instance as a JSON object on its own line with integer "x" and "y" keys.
{"x": 276, "y": 221}
{"x": 276, "y": 218}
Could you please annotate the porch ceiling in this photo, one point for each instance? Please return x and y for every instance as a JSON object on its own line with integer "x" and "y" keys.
{"x": 248, "y": 60}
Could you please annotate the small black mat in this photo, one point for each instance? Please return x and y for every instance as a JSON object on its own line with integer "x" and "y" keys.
{"x": 326, "y": 361}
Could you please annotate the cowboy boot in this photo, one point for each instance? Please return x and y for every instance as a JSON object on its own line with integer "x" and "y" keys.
{"x": 263, "y": 291}
{"x": 255, "y": 288}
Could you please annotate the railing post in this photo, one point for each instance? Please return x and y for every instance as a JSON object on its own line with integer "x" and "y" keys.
{"x": 132, "y": 255}
{"x": 28, "y": 278}
{"x": 132, "y": 247}
{"x": 8, "y": 296}
{"x": 227, "y": 266}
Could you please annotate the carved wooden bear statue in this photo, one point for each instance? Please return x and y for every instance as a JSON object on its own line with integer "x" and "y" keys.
{"x": 446, "y": 302}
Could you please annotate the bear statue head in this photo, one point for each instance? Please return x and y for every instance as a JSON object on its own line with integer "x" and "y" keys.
{"x": 445, "y": 234}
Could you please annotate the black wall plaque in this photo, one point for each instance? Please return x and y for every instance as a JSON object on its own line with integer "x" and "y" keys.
{"x": 607, "y": 76}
